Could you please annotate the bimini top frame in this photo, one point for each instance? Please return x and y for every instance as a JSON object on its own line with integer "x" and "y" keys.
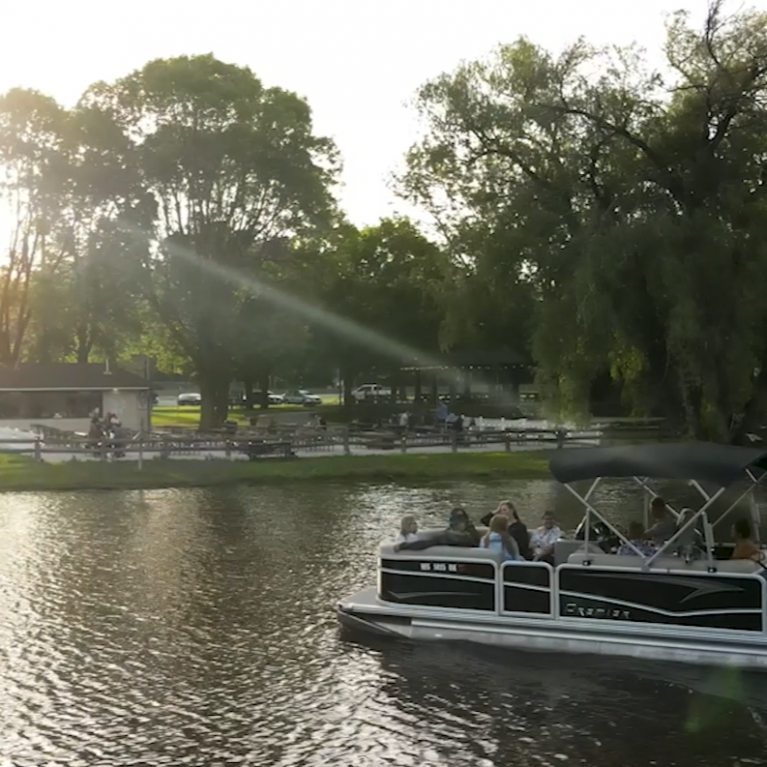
{"x": 695, "y": 462}
{"x": 701, "y": 461}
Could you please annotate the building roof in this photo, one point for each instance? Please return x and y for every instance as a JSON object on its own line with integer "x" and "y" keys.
{"x": 68, "y": 376}
{"x": 477, "y": 358}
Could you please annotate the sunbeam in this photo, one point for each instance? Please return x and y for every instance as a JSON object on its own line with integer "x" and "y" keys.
{"x": 336, "y": 323}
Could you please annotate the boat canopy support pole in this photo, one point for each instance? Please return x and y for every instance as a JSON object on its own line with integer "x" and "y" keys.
{"x": 699, "y": 488}
{"x": 642, "y": 482}
{"x": 591, "y": 510}
{"x": 748, "y": 493}
{"x": 701, "y": 512}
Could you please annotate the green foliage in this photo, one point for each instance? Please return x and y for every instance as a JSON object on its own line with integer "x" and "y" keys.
{"x": 603, "y": 220}
{"x": 627, "y": 210}
{"x": 234, "y": 168}
{"x": 18, "y": 473}
{"x": 384, "y": 281}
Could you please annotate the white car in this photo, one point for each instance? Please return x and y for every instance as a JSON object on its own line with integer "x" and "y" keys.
{"x": 371, "y": 391}
{"x": 301, "y": 397}
{"x": 192, "y": 398}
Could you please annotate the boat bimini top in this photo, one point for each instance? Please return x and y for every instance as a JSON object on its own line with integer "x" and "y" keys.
{"x": 695, "y": 462}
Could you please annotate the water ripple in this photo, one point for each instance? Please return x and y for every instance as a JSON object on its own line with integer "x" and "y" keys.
{"x": 187, "y": 628}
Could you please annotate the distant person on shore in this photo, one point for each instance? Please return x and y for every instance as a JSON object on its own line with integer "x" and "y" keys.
{"x": 408, "y": 530}
{"x": 517, "y": 528}
{"x": 497, "y": 539}
{"x": 664, "y": 525}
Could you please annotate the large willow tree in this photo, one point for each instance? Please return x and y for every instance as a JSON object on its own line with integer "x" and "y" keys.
{"x": 632, "y": 204}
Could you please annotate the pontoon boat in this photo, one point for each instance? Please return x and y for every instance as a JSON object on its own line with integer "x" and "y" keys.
{"x": 710, "y": 609}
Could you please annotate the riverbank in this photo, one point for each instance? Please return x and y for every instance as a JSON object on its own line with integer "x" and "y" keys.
{"x": 21, "y": 474}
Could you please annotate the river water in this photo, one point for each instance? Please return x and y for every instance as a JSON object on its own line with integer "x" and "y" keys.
{"x": 195, "y": 628}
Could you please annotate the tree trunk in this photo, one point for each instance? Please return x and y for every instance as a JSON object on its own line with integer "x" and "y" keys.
{"x": 754, "y": 410}
{"x": 452, "y": 388}
{"x": 214, "y": 391}
{"x": 248, "y": 386}
{"x": 84, "y": 345}
{"x": 347, "y": 379}
{"x": 263, "y": 384}
{"x": 434, "y": 395}
{"x": 417, "y": 384}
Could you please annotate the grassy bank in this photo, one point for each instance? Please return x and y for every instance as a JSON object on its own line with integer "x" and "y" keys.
{"x": 23, "y": 474}
{"x": 189, "y": 416}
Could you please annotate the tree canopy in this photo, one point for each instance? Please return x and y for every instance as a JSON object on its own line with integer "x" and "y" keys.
{"x": 627, "y": 205}
{"x": 603, "y": 219}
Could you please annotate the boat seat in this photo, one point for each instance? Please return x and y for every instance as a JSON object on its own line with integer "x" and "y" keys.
{"x": 664, "y": 563}
{"x": 453, "y": 552}
{"x": 564, "y": 548}
{"x": 431, "y": 532}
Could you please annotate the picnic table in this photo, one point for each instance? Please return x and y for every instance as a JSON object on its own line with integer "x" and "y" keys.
{"x": 259, "y": 448}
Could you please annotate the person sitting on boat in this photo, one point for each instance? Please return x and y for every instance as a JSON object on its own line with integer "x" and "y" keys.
{"x": 497, "y": 539}
{"x": 665, "y": 523}
{"x": 635, "y": 533}
{"x": 745, "y": 548}
{"x": 408, "y": 529}
{"x": 543, "y": 539}
{"x": 460, "y": 532}
{"x": 517, "y": 529}
{"x": 459, "y": 525}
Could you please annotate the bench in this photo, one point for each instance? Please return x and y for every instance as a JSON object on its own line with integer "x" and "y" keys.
{"x": 447, "y": 552}
{"x": 259, "y": 449}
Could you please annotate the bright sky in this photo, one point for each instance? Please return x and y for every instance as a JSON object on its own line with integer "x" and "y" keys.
{"x": 358, "y": 63}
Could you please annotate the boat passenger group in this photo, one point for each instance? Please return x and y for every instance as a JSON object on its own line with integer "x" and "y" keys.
{"x": 508, "y": 535}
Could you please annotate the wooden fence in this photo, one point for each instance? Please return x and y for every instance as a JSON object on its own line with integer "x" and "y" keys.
{"x": 333, "y": 440}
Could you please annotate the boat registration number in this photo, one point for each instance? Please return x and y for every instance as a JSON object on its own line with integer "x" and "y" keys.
{"x": 438, "y": 567}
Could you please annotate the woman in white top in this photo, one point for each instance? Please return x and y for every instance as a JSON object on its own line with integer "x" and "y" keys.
{"x": 408, "y": 530}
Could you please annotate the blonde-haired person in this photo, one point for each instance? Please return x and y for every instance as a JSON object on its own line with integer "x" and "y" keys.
{"x": 408, "y": 529}
{"x": 498, "y": 539}
{"x": 517, "y": 528}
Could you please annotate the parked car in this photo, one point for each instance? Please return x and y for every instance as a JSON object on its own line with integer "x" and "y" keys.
{"x": 192, "y": 398}
{"x": 274, "y": 399}
{"x": 301, "y": 397}
{"x": 371, "y": 391}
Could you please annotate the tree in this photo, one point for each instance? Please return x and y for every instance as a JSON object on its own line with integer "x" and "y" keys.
{"x": 31, "y": 139}
{"x": 234, "y": 167}
{"x": 84, "y": 300}
{"x": 633, "y": 206}
{"x": 384, "y": 282}
{"x": 272, "y": 338}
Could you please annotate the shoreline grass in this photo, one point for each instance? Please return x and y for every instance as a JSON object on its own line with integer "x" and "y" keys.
{"x": 22, "y": 474}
